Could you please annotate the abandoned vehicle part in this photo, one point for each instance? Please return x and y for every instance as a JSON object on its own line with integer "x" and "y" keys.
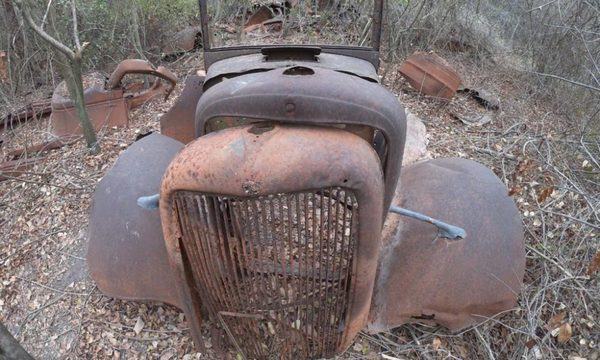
{"x": 14, "y": 168}
{"x": 109, "y": 105}
{"x": 275, "y": 96}
{"x": 149, "y": 202}
{"x": 431, "y": 75}
{"x": 178, "y": 123}
{"x": 266, "y": 247}
{"x": 452, "y": 283}
{"x": 274, "y": 216}
{"x": 126, "y": 253}
{"x": 447, "y": 231}
{"x": 370, "y": 53}
{"x": 33, "y": 111}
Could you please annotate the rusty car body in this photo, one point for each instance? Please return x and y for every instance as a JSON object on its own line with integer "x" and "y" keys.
{"x": 108, "y": 103}
{"x": 269, "y": 207}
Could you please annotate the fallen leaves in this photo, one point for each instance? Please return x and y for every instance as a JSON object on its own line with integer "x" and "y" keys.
{"x": 436, "y": 343}
{"x": 545, "y": 194}
{"x": 560, "y": 328}
{"x": 139, "y": 325}
{"x": 595, "y": 265}
{"x": 564, "y": 333}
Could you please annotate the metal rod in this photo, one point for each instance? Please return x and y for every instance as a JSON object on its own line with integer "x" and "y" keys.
{"x": 447, "y": 231}
{"x": 377, "y": 24}
{"x": 148, "y": 202}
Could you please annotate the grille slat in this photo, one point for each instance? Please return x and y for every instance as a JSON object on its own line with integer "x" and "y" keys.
{"x": 275, "y": 271}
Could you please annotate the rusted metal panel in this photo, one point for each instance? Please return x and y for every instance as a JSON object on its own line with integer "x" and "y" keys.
{"x": 431, "y": 75}
{"x": 253, "y": 63}
{"x": 109, "y": 105}
{"x": 126, "y": 252}
{"x": 253, "y": 165}
{"x": 33, "y": 111}
{"x": 14, "y": 168}
{"x": 424, "y": 278}
{"x": 326, "y": 97}
{"x": 105, "y": 109}
{"x": 179, "y": 121}
{"x": 45, "y": 146}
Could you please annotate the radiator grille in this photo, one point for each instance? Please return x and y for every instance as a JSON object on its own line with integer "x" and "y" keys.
{"x": 274, "y": 271}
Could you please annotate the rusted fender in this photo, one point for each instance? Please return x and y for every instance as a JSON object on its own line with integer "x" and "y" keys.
{"x": 424, "y": 278}
{"x": 126, "y": 253}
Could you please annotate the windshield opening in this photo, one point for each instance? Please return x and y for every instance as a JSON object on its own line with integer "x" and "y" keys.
{"x": 293, "y": 22}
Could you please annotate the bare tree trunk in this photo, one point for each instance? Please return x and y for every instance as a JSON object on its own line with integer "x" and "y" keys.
{"x": 10, "y": 349}
{"x": 71, "y": 71}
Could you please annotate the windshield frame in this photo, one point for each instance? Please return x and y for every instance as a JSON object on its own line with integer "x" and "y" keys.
{"x": 371, "y": 54}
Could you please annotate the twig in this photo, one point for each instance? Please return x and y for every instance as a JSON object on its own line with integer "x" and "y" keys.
{"x": 572, "y": 218}
{"x": 38, "y": 30}
{"x": 51, "y": 288}
{"x": 542, "y": 6}
{"x": 75, "y": 30}
{"x": 46, "y": 14}
{"x": 590, "y": 87}
{"x": 485, "y": 343}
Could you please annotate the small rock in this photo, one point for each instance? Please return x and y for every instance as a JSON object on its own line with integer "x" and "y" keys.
{"x": 416, "y": 141}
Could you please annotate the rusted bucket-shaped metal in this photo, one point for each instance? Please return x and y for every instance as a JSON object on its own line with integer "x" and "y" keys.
{"x": 431, "y": 75}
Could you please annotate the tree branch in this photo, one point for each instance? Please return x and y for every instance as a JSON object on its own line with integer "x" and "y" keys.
{"x": 46, "y": 14}
{"x": 75, "y": 30}
{"x": 38, "y": 30}
{"x": 590, "y": 87}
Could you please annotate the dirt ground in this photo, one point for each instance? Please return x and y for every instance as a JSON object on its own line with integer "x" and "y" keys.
{"x": 50, "y": 303}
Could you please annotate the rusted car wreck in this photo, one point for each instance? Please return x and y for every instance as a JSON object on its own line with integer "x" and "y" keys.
{"x": 275, "y": 206}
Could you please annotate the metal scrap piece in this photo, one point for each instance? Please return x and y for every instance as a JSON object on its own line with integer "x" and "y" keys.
{"x": 431, "y": 75}
{"x": 452, "y": 283}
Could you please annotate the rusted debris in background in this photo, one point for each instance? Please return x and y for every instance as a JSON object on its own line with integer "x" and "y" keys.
{"x": 14, "y": 168}
{"x": 184, "y": 41}
{"x": 484, "y": 97}
{"x": 46, "y": 146}
{"x": 261, "y": 15}
{"x": 267, "y": 16}
{"x": 33, "y": 111}
{"x": 109, "y": 105}
{"x": 431, "y": 75}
